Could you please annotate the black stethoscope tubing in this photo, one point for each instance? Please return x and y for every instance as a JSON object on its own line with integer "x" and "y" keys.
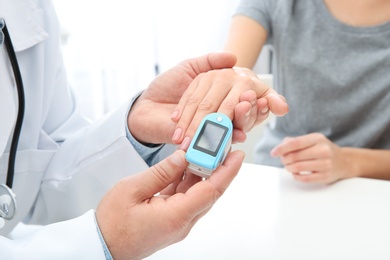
{"x": 21, "y": 106}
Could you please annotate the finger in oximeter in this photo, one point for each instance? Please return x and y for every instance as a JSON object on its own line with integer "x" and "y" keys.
{"x": 210, "y": 145}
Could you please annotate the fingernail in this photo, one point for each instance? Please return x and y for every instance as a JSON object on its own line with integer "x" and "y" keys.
{"x": 265, "y": 110}
{"x": 176, "y": 159}
{"x": 175, "y": 114}
{"x": 177, "y": 135}
{"x": 185, "y": 144}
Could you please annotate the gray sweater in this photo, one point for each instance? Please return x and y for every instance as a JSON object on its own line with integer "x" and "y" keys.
{"x": 335, "y": 77}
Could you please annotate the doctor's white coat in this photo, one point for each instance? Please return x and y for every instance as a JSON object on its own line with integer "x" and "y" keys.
{"x": 64, "y": 165}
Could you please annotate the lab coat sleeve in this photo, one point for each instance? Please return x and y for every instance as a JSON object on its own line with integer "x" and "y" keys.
{"x": 86, "y": 165}
{"x": 77, "y": 238}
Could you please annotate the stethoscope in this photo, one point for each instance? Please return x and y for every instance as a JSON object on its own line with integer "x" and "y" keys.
{"x": 7, "y": 197}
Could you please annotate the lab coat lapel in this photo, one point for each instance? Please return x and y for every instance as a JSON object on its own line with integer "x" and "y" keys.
{"x": 24, "y": 29}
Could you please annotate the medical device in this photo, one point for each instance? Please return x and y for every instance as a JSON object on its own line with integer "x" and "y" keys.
{"x": 7, "y": 197}
{"x": 210, "y": 145}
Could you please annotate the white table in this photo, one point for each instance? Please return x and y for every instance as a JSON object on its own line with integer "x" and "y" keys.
{"x": 265, "y": 214}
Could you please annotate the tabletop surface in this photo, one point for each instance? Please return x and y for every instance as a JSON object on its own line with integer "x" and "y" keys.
{"x": 266, "y": 214}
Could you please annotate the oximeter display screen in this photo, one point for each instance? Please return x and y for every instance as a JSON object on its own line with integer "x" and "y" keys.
{"x": 210, "y": 138}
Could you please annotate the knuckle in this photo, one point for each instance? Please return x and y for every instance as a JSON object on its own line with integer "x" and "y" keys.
{"x": 214, "y": 192}
{"x": 160, "y": 173}
{"x": 298, "y": 167}
{"x": 246, "y": 81}
{"x": 286, "y": 159}
{"x": 324, "y": 151}
{"x": 228, "y": 105}
{"x": 292, "y": 157}
{"x": 178, "y": 227}
{"x": 205, "y": 105}
{"x": 318, "y": 136}
{"x": 218, "y": 193}
{"x": 327, "y": 165}
{"x": 182, "y": 235}
{"x": 295, "y": 142}
{"x": 193, "y": 100}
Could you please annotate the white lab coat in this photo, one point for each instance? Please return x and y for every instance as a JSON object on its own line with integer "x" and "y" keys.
{"x": 64, "y": 165}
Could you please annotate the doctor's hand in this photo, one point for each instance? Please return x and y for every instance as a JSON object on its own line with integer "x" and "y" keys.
{"x": 135, "y": 222}
{"x": 149, "y": 119}
{"x": 237, "y": 93}
{"x": 313, "y": 158}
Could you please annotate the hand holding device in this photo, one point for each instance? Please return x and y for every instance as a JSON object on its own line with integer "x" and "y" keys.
{"x": 210, "y": 145}
{"x": 161, "y": 219}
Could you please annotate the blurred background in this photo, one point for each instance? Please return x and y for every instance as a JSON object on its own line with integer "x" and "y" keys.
{"x": 113, "y": 49}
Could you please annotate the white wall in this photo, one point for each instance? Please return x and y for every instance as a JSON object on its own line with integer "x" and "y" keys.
{"x": 111, "y": 47}
{"x": 190, "y": 28}
{"x": 109, "y": 50}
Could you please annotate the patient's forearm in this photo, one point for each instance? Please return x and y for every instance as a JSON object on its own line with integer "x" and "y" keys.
{"x": 368, "y": 163}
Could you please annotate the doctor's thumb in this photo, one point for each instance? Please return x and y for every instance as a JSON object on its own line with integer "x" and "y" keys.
{"x": 159, "y": 176}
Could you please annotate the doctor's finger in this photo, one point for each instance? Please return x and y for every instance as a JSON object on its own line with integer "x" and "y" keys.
{"x": 160, "y": 176}
{"x": 188, "y": 181}
{"x": 171, "y": 189}
{"x": 204, "y": 194}
{"x": 181, "y": 185}
{"x": 211, "y": 61}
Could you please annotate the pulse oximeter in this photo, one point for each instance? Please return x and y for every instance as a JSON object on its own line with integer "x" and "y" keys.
{"x": 210, "y": 145}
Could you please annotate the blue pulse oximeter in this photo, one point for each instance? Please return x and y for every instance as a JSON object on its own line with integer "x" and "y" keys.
{"x": 210, "y": 145}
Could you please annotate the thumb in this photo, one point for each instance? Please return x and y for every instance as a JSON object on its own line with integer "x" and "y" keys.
{"x": 212, "y": 61}
{"x": 159, "y": 176}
